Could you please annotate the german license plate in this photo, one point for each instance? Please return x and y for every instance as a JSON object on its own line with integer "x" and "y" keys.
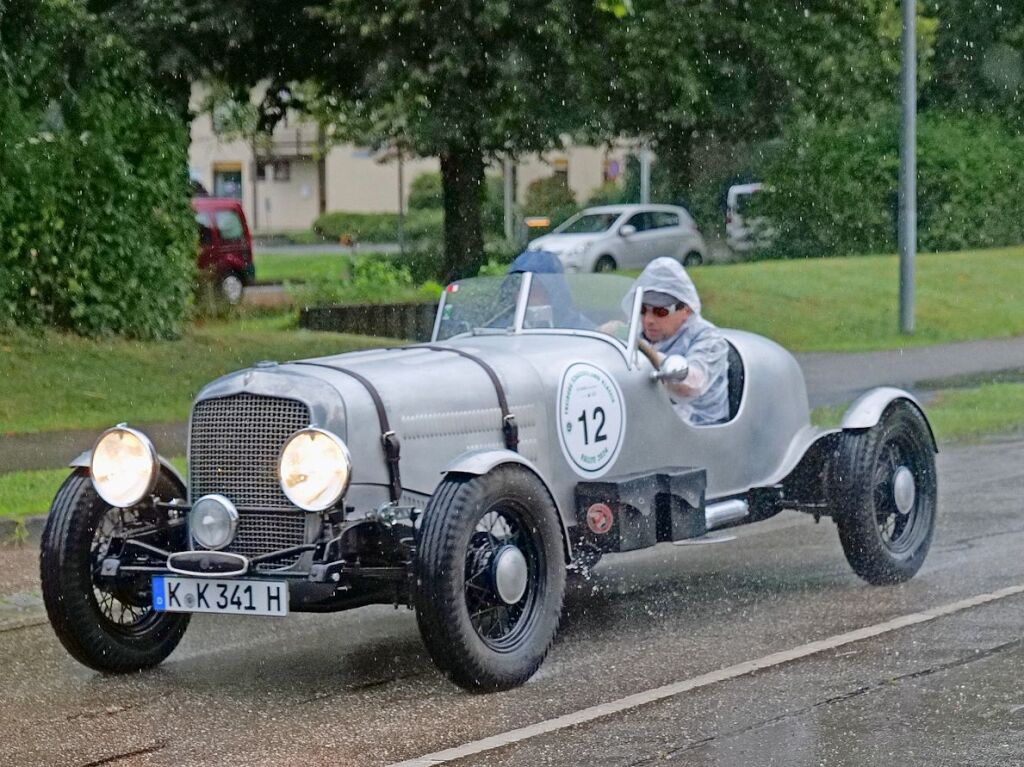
{"x": 207, "y": 595}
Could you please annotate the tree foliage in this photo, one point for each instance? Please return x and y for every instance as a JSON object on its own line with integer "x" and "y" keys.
{"x": 96, "y": 235}
{"x": 979, "y": 59}
{"x": 834, "y": 186}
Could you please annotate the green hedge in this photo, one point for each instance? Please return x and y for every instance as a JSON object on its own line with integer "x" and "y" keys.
{"x": 379, "y": 227}
{"x": 96, "y": 233}
{"x": 835, "y": 186}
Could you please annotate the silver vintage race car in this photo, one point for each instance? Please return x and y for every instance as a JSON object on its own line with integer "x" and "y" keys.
{"x": 464, "y": 477}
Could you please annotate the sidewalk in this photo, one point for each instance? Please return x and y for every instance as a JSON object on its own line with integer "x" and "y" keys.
{"x": 832, "y": 379}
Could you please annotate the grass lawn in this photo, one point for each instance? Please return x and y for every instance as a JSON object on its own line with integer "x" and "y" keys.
{"x": 283, "y": 267}
{"x": 57, "y": 381}
{"x": 827, "y": 304}
{"x": 961, "y": 414}
{"x": 851, "y": 304}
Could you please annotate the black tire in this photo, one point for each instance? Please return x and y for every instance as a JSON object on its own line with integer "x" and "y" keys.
{"x": 107, "y": 630}
{"x": 693, "y": 258}
{"x": 883, "y": 543}
{"x": 605, "y": 264}
{"x": 481, "y": 641}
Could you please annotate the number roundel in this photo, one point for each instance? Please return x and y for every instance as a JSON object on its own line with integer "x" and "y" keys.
{"x": 591, "y": 419}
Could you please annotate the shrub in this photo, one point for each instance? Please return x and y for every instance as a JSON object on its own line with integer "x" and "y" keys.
{"x": 379, "y": 227}
{"x": 835, "y": 186}
{"x": 96, "y": 233}
{"x": 552, "y": 198}
{"x": 367, "y": 280}
{"x": 425, "y": 192}
{"x": 609, "y": 193}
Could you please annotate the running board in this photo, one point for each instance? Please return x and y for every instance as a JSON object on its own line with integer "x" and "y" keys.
{"x": 724, "y": 513}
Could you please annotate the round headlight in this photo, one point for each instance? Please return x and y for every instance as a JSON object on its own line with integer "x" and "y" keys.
{"x": 213, "y": 521}
{"x": 315, "y": 469}
{"x": 124, "y": 466}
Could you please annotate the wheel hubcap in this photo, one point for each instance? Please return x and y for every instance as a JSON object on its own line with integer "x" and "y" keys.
{"x": 510, "y": 574}
{"x": 232, "y": 287}
{"x": 904, "y": 490}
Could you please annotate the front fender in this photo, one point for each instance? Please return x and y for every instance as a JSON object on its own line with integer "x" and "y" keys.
{"x": 84, "y": 460}
{"x": 479, "y": 462}
{"x": 867, "y": 409}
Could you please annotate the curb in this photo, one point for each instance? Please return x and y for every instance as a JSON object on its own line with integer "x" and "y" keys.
{"x": 24, "y": 530}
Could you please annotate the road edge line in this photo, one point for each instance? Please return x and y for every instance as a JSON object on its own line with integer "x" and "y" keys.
{"x": 744, "y": 668}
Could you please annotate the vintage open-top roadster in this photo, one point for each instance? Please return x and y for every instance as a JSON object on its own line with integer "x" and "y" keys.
{"x": 463, "y": 477}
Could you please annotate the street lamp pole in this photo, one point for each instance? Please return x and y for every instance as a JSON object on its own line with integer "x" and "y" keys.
{"x": 908, "y": 169}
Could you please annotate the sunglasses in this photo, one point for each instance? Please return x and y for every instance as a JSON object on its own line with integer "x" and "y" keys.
{"x": 659, "y": 311}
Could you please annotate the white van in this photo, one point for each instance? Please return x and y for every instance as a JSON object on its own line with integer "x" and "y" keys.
{"x": 743, "y": 233}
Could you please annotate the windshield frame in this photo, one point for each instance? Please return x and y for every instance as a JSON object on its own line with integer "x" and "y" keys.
{"x": 628, "y": 347}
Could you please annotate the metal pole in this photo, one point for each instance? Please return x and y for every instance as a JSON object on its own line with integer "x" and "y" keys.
{"x": 509, "y": 179}
{"x": 645, "y": 173}
{"x": 908, "y": 169}
{"x": 401, "y": 202}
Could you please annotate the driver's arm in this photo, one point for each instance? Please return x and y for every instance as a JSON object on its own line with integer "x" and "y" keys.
{"x": 707, "y": 356}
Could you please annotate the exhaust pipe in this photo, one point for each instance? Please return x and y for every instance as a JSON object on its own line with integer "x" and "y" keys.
{"x": 720, "y": 514}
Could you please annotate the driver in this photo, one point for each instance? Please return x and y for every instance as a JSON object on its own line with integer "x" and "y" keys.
{"x": 672, "y": 324}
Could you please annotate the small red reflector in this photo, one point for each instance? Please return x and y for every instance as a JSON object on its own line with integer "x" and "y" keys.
{"x": 453, "y": 288}
{"x": 600, "y": 518}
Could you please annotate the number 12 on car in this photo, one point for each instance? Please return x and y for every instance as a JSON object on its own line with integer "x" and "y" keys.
{"x": 597, "y": 417}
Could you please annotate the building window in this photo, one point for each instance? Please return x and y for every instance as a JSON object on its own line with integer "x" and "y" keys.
{"x": 227, "y": 180}
{"x": 282, "y": 170}
{"x": 261, "y": 170}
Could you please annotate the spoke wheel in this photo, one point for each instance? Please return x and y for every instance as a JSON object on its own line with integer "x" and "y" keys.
{"x": 490, "y": 576}
{"x": 886, "y": 495}
{"x": 501, "y": 617}
{"x": 106, "y": 625}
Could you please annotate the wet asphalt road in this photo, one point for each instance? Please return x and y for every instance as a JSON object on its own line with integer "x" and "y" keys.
{"x": 358, "y": 689}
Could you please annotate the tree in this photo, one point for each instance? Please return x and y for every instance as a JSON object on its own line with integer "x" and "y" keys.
{"x": 464, "y": 81}
{"x": 979, "y": 59}
{"x": 741, "y": 70}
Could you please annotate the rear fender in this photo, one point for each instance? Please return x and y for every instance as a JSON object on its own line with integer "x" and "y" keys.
{"x": 867, "y": 410}
{"x": 479, "y": 462}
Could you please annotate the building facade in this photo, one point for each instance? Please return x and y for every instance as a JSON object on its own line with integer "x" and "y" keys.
{"x": 284, "y": 184}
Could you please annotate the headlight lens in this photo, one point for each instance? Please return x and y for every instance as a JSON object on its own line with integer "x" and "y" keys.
{"x": 315, "y": 469}
{"x": 213, "y": 521}
{"x": 124, "y": 466}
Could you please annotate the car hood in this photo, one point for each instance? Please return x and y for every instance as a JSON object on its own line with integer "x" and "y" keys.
{"x": 560, "y": 243}
{"x": 436, "y": 401}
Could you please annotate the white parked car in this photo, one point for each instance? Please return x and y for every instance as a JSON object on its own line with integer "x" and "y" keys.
{"x": 624, "y": 237}
{"x": 743, "y": 232}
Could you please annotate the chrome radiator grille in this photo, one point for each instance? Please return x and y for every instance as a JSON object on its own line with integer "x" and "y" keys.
{"x": 234, "y": 446}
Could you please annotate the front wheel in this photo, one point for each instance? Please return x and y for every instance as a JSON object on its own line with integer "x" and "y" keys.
{"x": 886, "y": 495}
{"x": 490, "y": 577}
{"x": 693, "y": 258}
{"x": 107, "y": 626}
{"x": 605, "y": 264}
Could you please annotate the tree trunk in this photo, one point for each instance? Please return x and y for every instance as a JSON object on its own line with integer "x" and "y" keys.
{"x": 462, "y": 180}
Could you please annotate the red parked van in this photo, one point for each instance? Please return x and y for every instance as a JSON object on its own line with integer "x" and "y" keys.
{"x": 225, "y": 245}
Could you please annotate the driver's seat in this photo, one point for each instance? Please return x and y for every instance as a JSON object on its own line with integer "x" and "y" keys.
{"x": 735, "y": 381}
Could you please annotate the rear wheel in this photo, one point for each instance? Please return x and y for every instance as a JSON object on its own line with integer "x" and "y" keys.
{"x": 605, "y": 264}
{"x": 106, "y": 626}
{"x": 490, "y": 578}
{"x": 886, "y": 495}
{"x": 693, "y": 258}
